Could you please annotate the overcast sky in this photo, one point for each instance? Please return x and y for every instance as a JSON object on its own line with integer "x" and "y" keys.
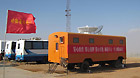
{"x": 119, "y": 17}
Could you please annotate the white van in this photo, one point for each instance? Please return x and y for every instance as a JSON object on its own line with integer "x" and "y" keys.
{"x": 10, "y": 50}
{"x": 32, "y": 50}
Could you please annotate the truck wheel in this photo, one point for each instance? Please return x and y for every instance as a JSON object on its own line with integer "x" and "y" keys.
{"x": 85, "y": 66}
{"x": 71, "y": 66}
{"x": 116, "y": 63}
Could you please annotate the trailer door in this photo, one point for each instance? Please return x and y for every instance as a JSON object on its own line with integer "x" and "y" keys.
{"x": 8, "y": 49}
{"x": 61, "y": 51}
{"x": 19, "y": 49}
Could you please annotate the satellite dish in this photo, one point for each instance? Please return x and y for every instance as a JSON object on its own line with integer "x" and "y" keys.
{"x": 90, "y": 30}
{"x": 87, "y": 30}
{"x": 98, "y": 31}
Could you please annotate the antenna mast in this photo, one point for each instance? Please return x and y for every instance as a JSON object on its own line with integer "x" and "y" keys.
{"x": 68, "y": 16}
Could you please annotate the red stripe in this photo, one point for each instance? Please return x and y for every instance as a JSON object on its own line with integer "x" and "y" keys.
{"x": 95, "y": 49}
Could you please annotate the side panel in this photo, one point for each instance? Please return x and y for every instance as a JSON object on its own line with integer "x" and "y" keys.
{"x": 100, "y": 50}
{"x": 35, "y": 55}
{"x": 96, "y": 53}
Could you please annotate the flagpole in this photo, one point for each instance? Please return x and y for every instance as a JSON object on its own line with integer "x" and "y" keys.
{"x": 5, "y": 45}
{"x": 4, "y": 57}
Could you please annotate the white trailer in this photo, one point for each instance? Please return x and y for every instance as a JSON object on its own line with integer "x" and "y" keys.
{"x": 10, "y": 50}
{"x": 32, "y": 50}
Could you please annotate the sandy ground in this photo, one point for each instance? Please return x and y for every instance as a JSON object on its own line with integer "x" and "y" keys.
{"x": 41, "y": 71}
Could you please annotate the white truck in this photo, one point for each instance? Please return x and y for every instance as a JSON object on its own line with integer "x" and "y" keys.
{"x": 32, "y": 50}
{"x": 10, "y": 50}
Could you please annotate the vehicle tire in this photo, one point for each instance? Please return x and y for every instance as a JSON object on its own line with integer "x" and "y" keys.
{"x": 71, "y": 66}
{"x": 116, "y": 64}
{"x": 85, "y": 66}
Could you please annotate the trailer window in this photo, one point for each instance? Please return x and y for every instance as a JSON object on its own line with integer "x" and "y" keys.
{"x": 45, "y": 44}
{"x": 91, "y": 40}
{"x": 121, "y": 41}
{"x": 7, "y": 46}
{"x": 110, "y": 41}
{"x": 62, "y": 40}
{"x": 56, "y": 46}
{"x": 75, "y": 40}
{"x": 28, "y": 45}
{"x": 18, "y": 46}
{"x": 37, "y": 45}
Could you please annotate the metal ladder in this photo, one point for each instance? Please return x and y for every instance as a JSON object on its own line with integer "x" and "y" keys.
{"x": 52, "y": 68}
{"x": 63, "y": 62}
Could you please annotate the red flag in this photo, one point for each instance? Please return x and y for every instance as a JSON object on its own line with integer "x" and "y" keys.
{"x": 20, "y": 23}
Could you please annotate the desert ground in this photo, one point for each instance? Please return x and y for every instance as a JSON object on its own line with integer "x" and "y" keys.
{"x": 33, "y": 70}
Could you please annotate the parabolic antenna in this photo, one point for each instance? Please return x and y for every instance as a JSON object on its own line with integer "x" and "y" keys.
{"x": 98, "y": 31}
{"x": 90, "y": 30}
